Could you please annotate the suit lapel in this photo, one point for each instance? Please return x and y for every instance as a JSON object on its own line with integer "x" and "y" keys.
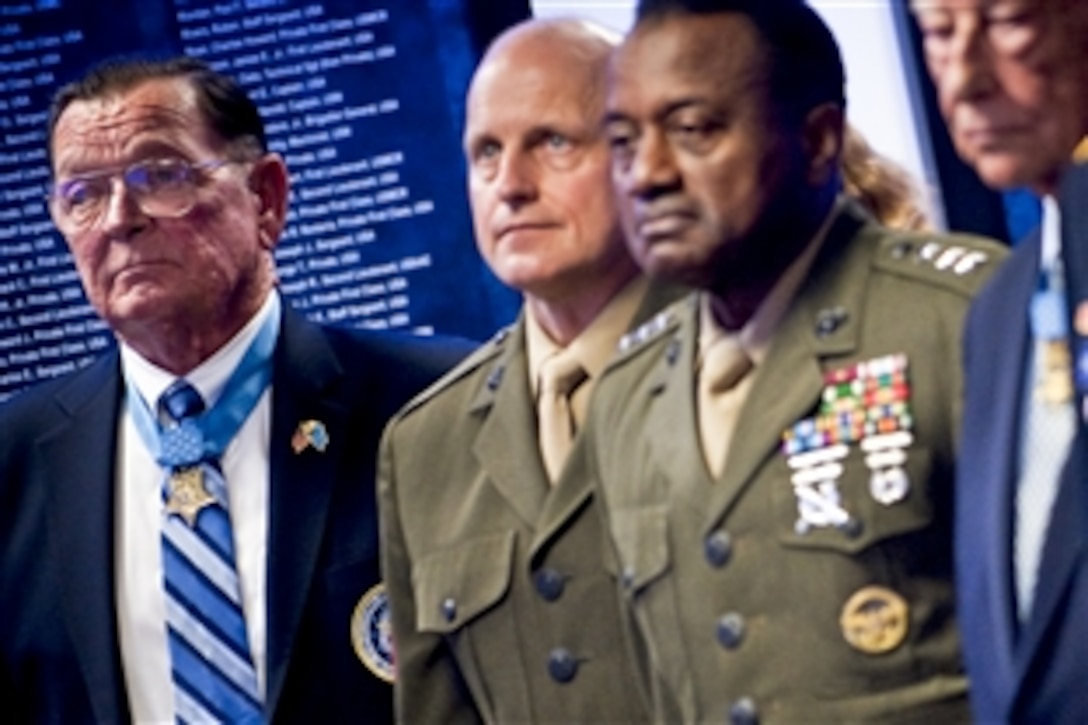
{"x": 305, "y": 376}
{"x": 505, "y": 445}
{"x": 671, "y": 428}
{"x": 996, "y": 463}
{"x": 788, "y": 384}
{"x": 570, "y": 493}
{"x": 574, "y": 488}
{"x": 80, "y": 473}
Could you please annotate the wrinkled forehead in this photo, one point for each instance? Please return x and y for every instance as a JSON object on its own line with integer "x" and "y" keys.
{"x": 513, "y": 92}
{"x": 110, "y": 127}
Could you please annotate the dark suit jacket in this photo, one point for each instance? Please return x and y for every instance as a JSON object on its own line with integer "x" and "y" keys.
{"x": 1037, "y": 673}
{"x": 59, "y": 654}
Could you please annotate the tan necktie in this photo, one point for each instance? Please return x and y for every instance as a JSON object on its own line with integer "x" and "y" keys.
{"x": 724, "y": 365}
{"x": 560, "y": 376}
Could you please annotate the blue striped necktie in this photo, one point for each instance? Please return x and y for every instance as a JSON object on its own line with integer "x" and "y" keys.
{"x": 211, "y": 662}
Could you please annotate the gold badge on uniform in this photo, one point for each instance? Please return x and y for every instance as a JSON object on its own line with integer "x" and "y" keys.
{"x": 875, "y": 620}
{"x": 310, "y": 433}
{"x": 188, "y": 495}
{"x": 372, "y": 633}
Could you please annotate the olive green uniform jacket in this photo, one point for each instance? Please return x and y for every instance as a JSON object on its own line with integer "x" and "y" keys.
{"x": 743, "y": 612}
{"x": 502, "y": 608}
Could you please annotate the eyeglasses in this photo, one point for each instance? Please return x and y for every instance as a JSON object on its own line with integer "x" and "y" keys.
{"x": 162, "y": 188}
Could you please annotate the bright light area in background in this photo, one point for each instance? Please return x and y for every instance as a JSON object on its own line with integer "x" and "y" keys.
{"x": 878, "y": 88}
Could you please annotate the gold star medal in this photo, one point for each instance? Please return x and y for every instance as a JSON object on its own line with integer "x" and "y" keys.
{"x": 188, "y": 494}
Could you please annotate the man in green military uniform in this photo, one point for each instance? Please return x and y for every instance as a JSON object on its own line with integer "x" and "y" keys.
{"x": 503, "y": 608}
{"x": 775, "y": 453}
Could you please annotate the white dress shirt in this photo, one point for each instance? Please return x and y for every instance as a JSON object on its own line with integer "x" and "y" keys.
{"x": 141, "y": 609}
{"x": 1046, "y": 435}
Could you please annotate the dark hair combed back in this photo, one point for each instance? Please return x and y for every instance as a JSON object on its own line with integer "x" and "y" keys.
{"x": 807, "y": 67}
{"x": 225, "y": 105}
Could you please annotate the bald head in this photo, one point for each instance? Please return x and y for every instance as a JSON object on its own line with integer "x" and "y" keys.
{"x": 539, "y": 166}
{"x": 575, "y": 51}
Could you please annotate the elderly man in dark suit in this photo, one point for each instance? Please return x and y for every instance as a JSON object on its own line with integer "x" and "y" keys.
{"x": 188, "y": 528}
{"x": 1012, "y": 84}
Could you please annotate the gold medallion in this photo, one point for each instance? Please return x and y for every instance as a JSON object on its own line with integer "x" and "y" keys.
{"x": 372, "y": 633}
{"x": 1054, "y": 385}
{"x": 875, "y": 620}
{"x": 188, "y": 494}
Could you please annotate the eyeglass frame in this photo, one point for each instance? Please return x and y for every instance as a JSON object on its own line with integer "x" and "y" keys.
{"x": 53, "y": 196}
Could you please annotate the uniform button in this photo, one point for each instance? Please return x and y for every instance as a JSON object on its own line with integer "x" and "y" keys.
{"x": 853, "y": 528}
{"x": 743, "y": 712}
{"x": 830, "y": 320}
{"x": 672, "y": 352}
{"x": 549, "y": 584}
{"x": 628, "y": 576}
{"x": 449, "y": 609}
{"x": 562, "y": 666}
{"x": 730, "y": 630}
{"x": 901, "y": 250}
{"x": 718, "y": 547}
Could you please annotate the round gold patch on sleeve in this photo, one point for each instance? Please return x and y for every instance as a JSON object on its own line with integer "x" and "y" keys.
{"x": 372, "y": 633}
{"x": 875, "y": 620}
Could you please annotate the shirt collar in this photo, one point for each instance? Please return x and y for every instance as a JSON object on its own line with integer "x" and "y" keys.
{"x": 757, "y": 333}
{"x": 596, "y": 344}
{"x": 210, "y": 377}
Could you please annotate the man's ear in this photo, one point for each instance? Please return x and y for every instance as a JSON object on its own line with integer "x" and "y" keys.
{"x": 822, "y": 136}
{"x": 268, "y": 180}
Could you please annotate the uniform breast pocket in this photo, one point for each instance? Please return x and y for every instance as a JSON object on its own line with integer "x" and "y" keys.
{"x": 641, "y": 538}
{"x": 455, "y": 585}
{"x": 860, "y": 507}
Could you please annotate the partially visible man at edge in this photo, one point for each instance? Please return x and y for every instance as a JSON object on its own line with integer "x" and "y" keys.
{"x": 1012, "y": 84}
{"x": 188, "y": 528}
{"x": 775, "y": 453}
{"x": 504, "y": 609}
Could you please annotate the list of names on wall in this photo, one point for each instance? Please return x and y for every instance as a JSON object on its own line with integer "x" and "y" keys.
{"x": 301, "y": 65}
{"x": 46, "y": 326}
{"x": 354, "y": 95}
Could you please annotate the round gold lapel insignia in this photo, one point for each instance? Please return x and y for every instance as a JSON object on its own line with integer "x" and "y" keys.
{"x": 875, "y": 620}
{"x": 372, "y": 633}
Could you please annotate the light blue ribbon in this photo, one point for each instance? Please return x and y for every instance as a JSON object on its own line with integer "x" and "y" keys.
{"x": 204, "y": 437}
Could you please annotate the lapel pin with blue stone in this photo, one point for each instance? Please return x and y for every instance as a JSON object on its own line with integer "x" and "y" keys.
{"x": 310, "y": 433}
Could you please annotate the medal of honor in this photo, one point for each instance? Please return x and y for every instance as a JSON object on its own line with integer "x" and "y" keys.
{"x": 188, "y": 494}
{"x": 1053, "y": 362}
{"x": 1054, "y": 384}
